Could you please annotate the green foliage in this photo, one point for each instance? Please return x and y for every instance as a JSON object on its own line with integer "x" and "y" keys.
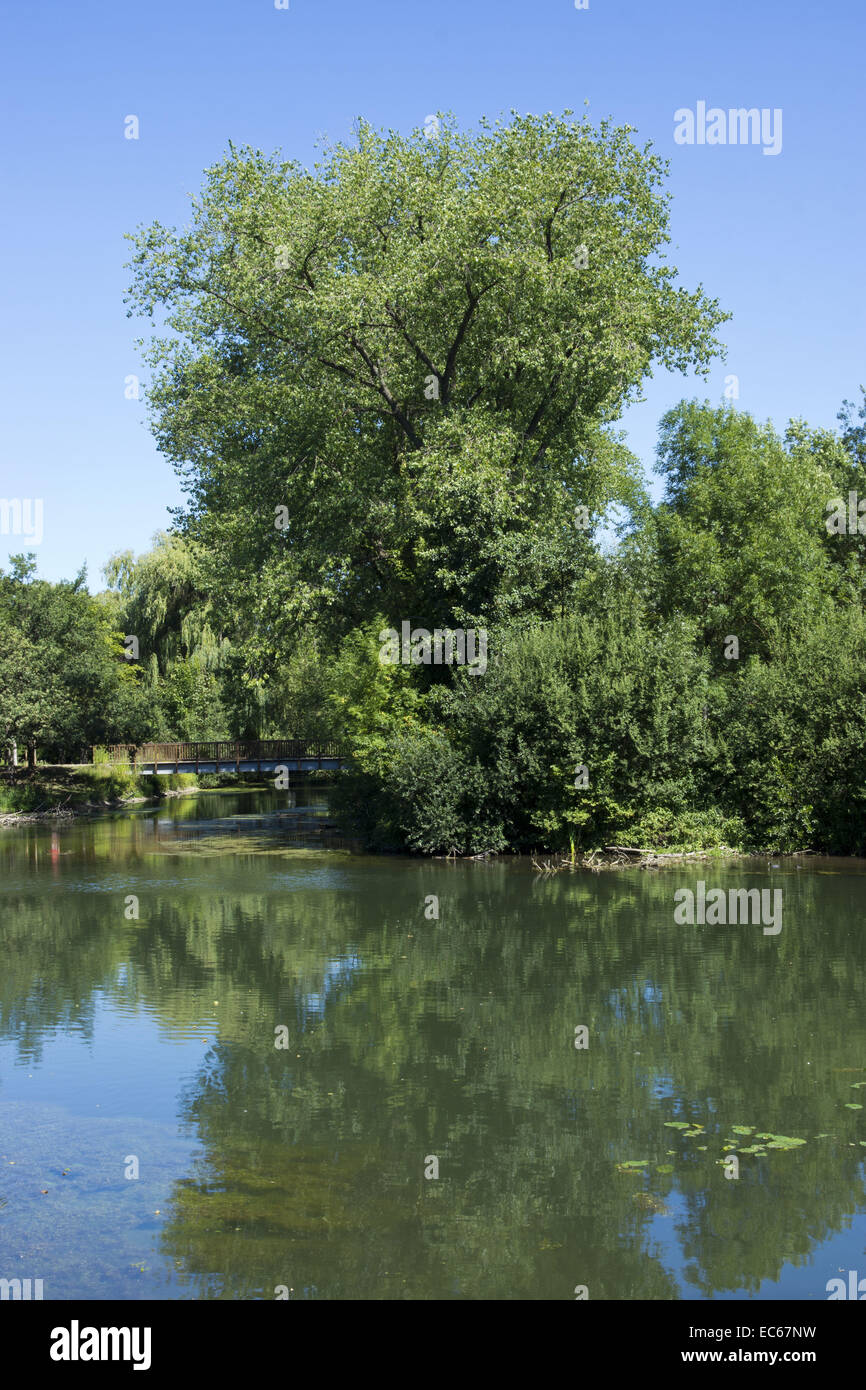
{"x": 159, "y": 598}
{"x": 741, "y": 540}
{"x": 405, "y": 350}
{"x": 794, "y": 728}
{"x": 423, "y": 794}
{"x": 179, "y": 781}
{"x": 113, "y": 783}
{"x": 388, "y": 384}
{"x": 497, "y": 763}
{"x": 683, "y": 749}
{"x": 371, "y": 701}
{"x": 64, "y": 682}
{"x": 684, "y": 830}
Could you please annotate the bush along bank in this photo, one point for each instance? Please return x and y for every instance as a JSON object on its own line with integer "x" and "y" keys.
{"x": 596, "y": 732}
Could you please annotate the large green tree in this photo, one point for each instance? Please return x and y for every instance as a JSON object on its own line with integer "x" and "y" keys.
{"x": 159, "y": 598}
{"x": 742, "y": 544}
{"x": 388, "y": 382}
{"x": 64, "y": 679}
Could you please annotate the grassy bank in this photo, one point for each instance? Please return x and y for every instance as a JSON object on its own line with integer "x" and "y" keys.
{"x": 51, "y": 790}
{"x": 70, "y": 790}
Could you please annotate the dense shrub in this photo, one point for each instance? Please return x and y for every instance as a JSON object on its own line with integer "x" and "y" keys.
{"x": 425, "y": 794}
{"x": 499, "y": 762}
{"x": 768, "y": 754}
{"x": 795, "y": 735}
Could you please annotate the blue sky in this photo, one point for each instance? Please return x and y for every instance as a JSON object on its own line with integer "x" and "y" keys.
{"x": 778, "y": 239}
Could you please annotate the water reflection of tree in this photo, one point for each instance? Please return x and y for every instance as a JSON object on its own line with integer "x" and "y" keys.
{"x": 454, "y": 1038}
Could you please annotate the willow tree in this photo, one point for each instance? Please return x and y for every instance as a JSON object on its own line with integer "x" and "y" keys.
{"x": 389, "y": 382}
{"x": 160, "y": 598}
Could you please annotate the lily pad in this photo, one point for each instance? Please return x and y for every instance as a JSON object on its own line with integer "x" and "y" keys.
{"x": 665, "y": 1168}
{"x": 676, "y": 1124}
{"x": 743, "y": 1129}
{"x": 849, "y": 1105}
{"x": 781, "y": 1141}
{"x": 633, "y": 1165}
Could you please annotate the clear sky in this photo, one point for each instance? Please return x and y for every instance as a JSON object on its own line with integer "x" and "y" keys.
{"x": 779, "y": 239}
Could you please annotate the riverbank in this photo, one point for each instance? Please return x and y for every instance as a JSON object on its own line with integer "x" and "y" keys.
{"x": 62, "y": 792}
{"x": 628, "y": 857}
{"x": 67, "y": 792}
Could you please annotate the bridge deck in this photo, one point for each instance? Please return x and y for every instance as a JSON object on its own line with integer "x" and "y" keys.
{"x": 262, "y": 755}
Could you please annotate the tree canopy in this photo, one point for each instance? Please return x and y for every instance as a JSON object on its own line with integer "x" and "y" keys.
{"x": 388, "y": 382}
{"x": 64, "y": 679}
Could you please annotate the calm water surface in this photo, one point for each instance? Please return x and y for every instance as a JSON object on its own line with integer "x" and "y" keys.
{"x": 148, "y": 1041}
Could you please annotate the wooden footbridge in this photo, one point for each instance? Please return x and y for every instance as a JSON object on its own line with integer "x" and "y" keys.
{"x": 295, "y": 755}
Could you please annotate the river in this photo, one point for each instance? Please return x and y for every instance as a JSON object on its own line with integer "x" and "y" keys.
{"x": 238, "y": 1060}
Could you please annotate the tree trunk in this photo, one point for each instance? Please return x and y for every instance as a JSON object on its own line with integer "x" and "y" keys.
{"x": 31, "y": 756}
{"x": 14, "y": 759}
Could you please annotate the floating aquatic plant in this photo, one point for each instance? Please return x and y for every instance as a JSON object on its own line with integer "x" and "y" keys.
{"x": 780, "y": 1141}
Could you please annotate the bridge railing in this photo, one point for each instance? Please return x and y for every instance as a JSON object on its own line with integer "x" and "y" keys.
{"x": 221, "y": 751}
